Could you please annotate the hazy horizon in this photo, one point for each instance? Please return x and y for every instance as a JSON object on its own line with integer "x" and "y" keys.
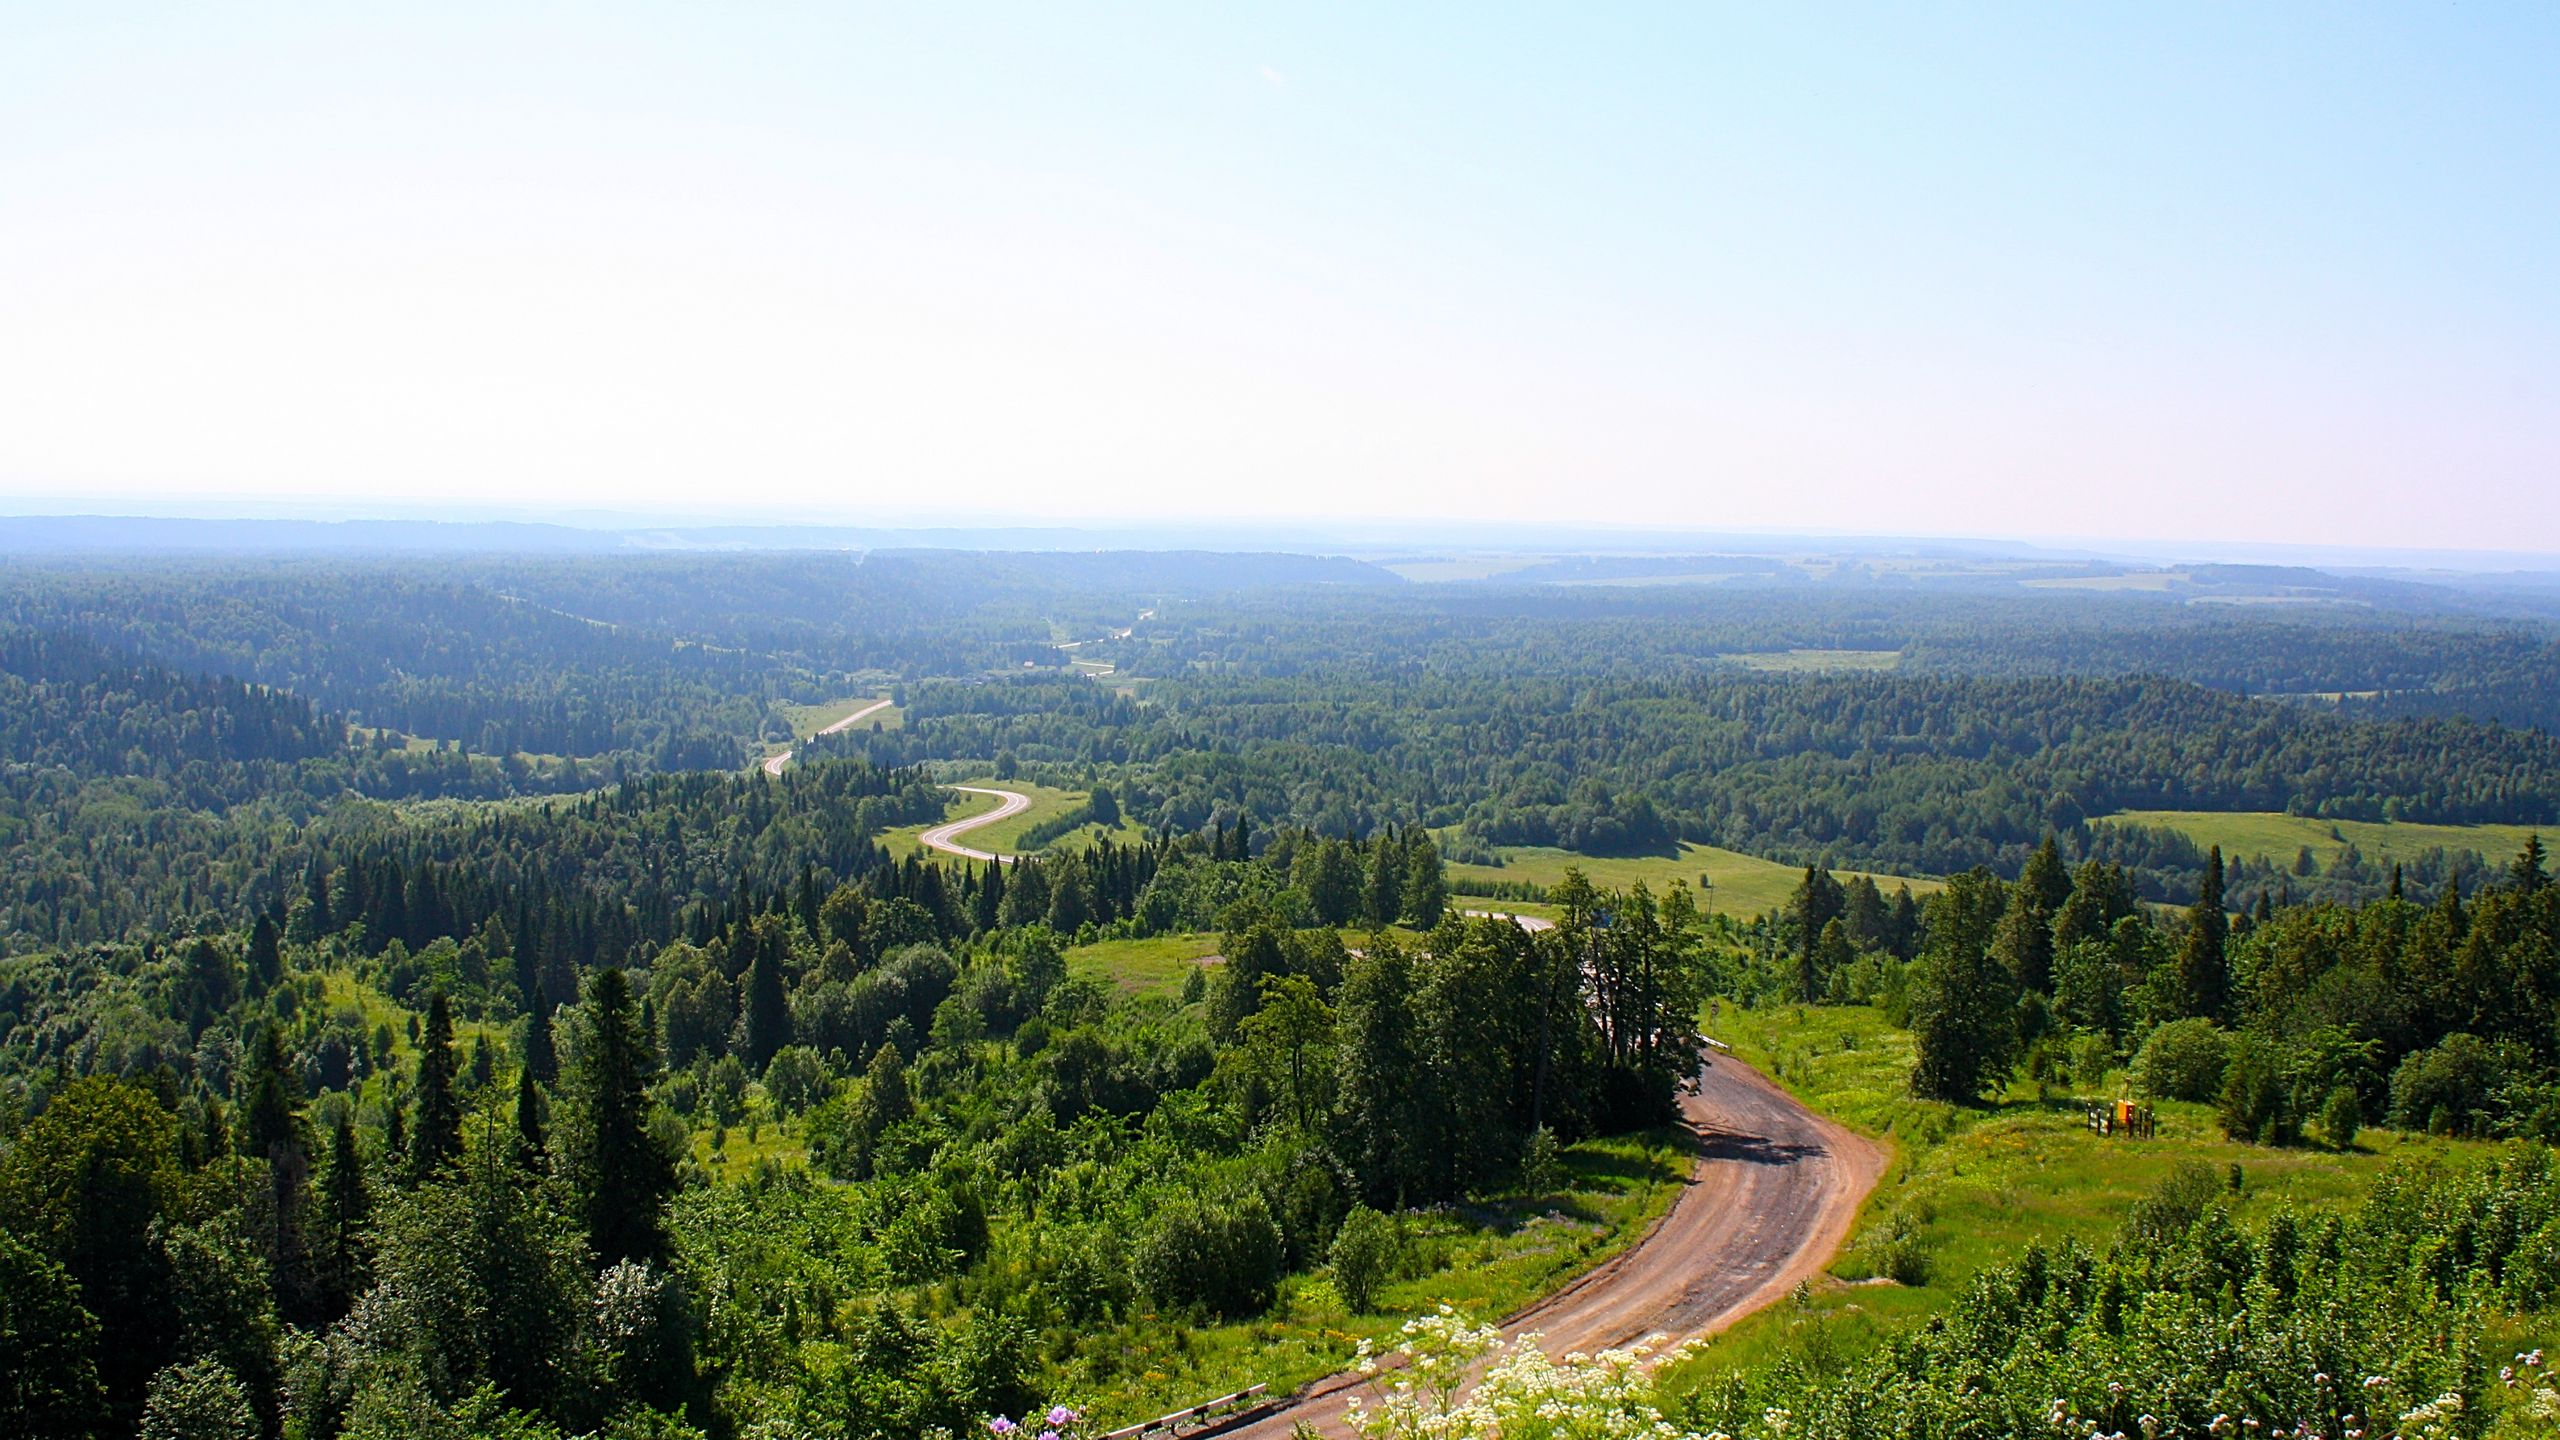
{"x": 2264, "y": 279}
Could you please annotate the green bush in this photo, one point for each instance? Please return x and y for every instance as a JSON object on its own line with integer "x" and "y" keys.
{"x": 2183, "y": 1060}
{"x": 1362, "y": 1254}
{"x": 2341, "y": 1116}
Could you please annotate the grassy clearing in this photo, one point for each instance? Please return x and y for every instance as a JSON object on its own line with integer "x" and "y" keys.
{"x": 1488, "y": 1260}
{"x": 1818, "y": 661}
{"x": 2277, "y": 837}
{"x": 808, "y": 720}
{"x": 1157, "y": 965}
{"x": 341, "y": 990}
{"x": 1977, "y": 1185}
{"x": 1744, "y": 885}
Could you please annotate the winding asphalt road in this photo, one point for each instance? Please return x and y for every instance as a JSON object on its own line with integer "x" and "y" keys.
{"x": 773, "y": 763}
{"x": 946, "y": 837}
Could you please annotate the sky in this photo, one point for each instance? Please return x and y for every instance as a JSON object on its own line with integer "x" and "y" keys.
{"x": 2258, "y": 273}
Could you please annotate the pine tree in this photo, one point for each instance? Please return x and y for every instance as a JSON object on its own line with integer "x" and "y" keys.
{"x": 541, "y": 1056}
{"x": 435, "y": 1137}
{"x": 266, "y": 955}
{"x": 532, "y": 1147}
{"x": 2527, "y": 873}
{"x": 768, "y": 1008}
{"x": 2203, "y": 964}
{"x": 621, "y": 1174}
{"x": 346, "y": 1212}
{"x": 1963, "y": 1001}
{"x": 271, "y": 1110}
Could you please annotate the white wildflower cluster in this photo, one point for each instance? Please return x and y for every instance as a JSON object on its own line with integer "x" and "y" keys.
{"x": 1459, "y": 1381}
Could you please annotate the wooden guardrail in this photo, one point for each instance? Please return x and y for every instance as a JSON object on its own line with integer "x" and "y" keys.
{"x": 1223, "y": 1408}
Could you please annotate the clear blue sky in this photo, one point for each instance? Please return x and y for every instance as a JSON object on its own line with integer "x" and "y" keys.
{"x": 2245, "y": 273}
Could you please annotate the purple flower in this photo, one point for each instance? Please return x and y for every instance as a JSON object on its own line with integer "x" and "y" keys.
{"x": 1048, "y": 1435}
{"x": 1060, "y": 1415}
{"x": 1002, "y": 1426}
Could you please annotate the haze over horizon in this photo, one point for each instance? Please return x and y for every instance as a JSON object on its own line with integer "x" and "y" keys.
{"x": 2274, "y": 277}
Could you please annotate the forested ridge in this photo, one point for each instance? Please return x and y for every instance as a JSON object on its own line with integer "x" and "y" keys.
{"x": 417, "y": 1017}
{"x": 1925, "y": 775}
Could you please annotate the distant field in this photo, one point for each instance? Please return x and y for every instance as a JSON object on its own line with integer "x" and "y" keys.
{"x": 2267, "y": 834}
{"x": 1744, "y": 885}
{"x": 1811, "y": 661}
{"x": 2144, "y": 580}
{"x": 1444, "y": 570}
{"x": 808, "y": 720}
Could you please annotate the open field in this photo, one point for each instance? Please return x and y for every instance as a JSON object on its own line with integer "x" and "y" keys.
{"x": 1975, "y": 1186}
{"x": 1436, "y": 570}
{"x": 1156, "y": 965}
{"x": 1818, "y": 661}
{"x": 2279, "y": 837}
{"x": 808, "y": 720}
{"x": 1743, "y": 885}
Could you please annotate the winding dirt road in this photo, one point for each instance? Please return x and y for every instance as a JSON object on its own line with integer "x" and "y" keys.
{"x": 773, "y": 763}
{"x": 1774, "y": 1193}
{"x": 946, "y": 837}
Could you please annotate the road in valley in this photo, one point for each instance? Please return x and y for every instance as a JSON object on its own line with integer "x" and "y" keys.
{"x": 946, "y": 837}
{"x": 773, "y": 763}
{"x": 1773, "y": 1195}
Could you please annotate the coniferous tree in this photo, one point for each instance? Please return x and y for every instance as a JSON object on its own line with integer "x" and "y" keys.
{"x": 266, "y": 955}
{"x": 541, "y": 1056}
{"x": 532, "y": 1146}
{"x": 2203, "y": 973}
{"x": 346, "y": 1213}
{"x": 621, "y": 1175}
{"x": 435, "y": 1137}
{"x": 2527, "y": 873}
{"x": 1963, "y": 1000}
{"x": 768, "y": 1008}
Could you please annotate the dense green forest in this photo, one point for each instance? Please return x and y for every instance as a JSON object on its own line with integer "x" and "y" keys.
{"x": 419, "y": 1017}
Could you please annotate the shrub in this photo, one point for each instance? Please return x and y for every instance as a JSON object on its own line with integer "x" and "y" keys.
{"x": 2340, "y": 1117}
{"x": 2183, "y": 1060}
{"x": 1363, "y": 1251}
{"x": 2255, "y": 1106}
{"x": 2449, "y": 1089}
{"x": 1224, "y": 1257}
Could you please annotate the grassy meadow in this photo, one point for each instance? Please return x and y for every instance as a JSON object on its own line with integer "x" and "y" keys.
{"x": 1744, "y": 885}
{"x": 2278, "y": 837}
{"x": 1969, "y": 1188}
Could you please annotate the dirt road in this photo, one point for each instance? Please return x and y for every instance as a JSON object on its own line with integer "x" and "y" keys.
{"x": 1772, "y": 1199}
{"x": 946, "y": 838}
{"x": 773, "y": 763}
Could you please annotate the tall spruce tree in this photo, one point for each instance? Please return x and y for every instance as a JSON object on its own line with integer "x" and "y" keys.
{"x": 435, "y": 1135}
{"x": 1964, "y": 1002}
{"x": 621, "y": 1174}
{"x": 532, "y": 1146}
{"x": 346, "y": 1215}
{"x": 2204, "y": 965}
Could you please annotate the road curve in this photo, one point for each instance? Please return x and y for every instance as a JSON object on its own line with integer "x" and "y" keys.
{"x": 1525, "y": 922}
{"x": 1774, "y": 1193}
{"x": 946, "y": 837}
{"x": 773, "y": 763}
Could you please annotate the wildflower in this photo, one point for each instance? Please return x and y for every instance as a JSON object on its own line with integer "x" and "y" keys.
{"x": 1060, "y": 1415}
{"x": 1001, "y": 1426}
